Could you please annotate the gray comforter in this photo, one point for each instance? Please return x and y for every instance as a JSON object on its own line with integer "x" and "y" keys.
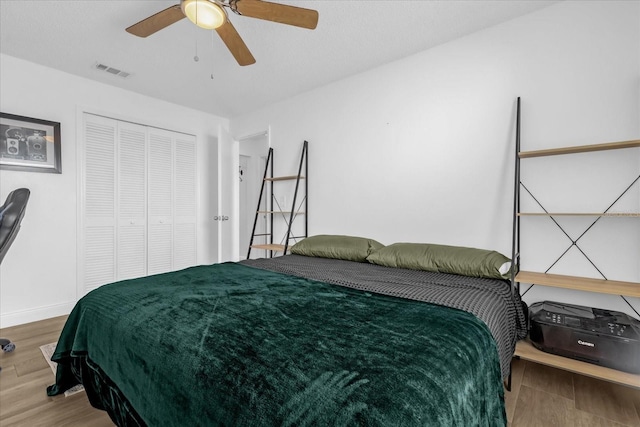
{"x": 491, "y": 300}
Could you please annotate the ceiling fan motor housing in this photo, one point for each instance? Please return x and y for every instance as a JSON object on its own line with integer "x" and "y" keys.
{"x": 207, "y": 14}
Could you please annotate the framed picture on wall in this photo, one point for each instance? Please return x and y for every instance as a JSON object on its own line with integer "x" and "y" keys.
{"x": 28, "y": 144}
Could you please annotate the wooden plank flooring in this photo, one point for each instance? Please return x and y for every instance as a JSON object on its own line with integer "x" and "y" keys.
{"x": 540, "y": 396}
{"x": 545, "y": 396}
{"x": 25, "y": 376}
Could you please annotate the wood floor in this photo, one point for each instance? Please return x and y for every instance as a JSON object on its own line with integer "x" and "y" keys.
{"x": 25, "y": 376}
{"x": 540, "y": 396}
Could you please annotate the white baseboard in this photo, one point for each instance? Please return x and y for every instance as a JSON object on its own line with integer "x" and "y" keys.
{"x": 35, "y": 314}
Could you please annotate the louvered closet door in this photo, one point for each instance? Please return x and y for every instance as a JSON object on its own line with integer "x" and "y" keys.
{"x": 184, "y": 232}
{"x": 98, "y": 202}
{"x": 160, "y": 202}
{"x": 138, "y": 201}
{"x": 132, "y": 201}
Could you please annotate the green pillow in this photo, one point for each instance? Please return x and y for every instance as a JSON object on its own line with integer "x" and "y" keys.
{"x": 443, "y": 259}
{"x": 338, "y": 247}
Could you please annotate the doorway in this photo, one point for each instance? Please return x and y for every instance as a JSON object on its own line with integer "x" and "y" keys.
{"x": 252, "y": 162}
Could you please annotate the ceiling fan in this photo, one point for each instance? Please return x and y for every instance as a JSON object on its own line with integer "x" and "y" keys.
{"x": 211, "y": 14}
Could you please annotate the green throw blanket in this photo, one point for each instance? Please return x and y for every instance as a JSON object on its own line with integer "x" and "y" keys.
{"x": 231, "y": 345}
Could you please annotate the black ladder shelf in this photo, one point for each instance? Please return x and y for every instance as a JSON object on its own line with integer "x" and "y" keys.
{"x": 524, "y": 348}
{"x": 274, "y": 209}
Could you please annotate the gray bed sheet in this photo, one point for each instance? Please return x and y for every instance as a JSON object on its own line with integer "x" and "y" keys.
{"x": 491, "y": 300}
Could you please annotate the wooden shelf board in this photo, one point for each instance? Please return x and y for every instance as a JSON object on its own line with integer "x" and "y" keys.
{"x": 580, "y": 149}
{"x": 616, "y": 214}
{"x": 525, "y": 350}
{"x": 278, "y": 248}
{"x": 614, "y": 287}
{"x": 283, "y": 178}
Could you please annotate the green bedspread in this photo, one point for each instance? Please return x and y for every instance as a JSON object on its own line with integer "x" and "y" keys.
{"x": 232, "y": 345}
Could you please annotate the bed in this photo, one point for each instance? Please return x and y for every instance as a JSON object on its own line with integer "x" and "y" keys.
{"x": 295, "y": 340}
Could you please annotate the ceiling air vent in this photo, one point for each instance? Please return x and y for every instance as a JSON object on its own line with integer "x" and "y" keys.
{"x": 111, "y": 70}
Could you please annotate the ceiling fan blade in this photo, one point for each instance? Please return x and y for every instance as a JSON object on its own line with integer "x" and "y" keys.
{"x": 284, "y": 14}
{"x": 235, "y": 44}
{"x": 157, "y": 22}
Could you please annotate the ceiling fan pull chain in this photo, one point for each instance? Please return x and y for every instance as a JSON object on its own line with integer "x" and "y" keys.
{"x": 213, "y": 44}
{"x": 196, "y": 58}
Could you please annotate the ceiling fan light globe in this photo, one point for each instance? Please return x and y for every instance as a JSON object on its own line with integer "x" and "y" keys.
{"x": 204, "y": 13}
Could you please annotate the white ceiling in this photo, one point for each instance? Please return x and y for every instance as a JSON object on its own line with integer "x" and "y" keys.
{"x": 351, "y": 37}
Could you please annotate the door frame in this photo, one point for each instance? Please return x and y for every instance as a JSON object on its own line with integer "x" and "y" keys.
{"x": 265, "y": 139}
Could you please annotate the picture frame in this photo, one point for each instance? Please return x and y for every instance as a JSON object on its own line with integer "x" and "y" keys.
{"x": 29, "y": 145}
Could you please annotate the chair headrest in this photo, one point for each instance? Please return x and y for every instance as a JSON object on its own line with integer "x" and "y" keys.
{"x": 11, "y": 214}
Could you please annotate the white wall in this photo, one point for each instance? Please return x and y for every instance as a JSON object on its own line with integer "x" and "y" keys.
{"x": 422, "y": 149}
{"x": 38, "y": 275}
{"x": 418, "y": 150}
{"x": 256, "y": 148}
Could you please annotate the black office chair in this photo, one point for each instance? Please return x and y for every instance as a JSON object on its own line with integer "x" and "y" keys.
{"x": 11, "y": 214}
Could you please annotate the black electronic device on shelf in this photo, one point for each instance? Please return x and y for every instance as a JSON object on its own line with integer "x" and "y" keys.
{"x": 602, "y": 337}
